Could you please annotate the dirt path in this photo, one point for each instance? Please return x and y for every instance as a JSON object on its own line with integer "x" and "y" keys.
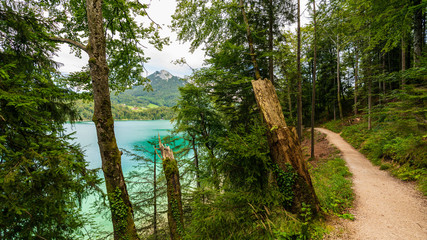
{"x": 385, "y": 207}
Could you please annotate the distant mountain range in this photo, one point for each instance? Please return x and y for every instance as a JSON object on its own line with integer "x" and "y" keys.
{"x": 165, "y": 92}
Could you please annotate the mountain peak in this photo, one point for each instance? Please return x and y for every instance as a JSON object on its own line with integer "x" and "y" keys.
{"x": 163, "y": 74}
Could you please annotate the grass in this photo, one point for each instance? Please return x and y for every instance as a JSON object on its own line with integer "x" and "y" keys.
{"x": 332, "y": 183}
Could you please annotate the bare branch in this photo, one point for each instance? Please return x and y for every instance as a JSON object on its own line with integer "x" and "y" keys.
{"x": 69, "y": 41}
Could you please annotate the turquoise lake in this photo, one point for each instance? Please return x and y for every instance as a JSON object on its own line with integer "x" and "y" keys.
{"x": 128, "y": 134}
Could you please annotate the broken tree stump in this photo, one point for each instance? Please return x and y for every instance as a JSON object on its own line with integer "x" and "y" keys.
{"x": 175, "y": 213}
{"x": 285, "y": 150}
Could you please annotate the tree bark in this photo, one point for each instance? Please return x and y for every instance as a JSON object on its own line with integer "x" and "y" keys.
{"x": 313, "y": 95}
{"x": 121, "y": 208}
{"x": 175, "y": 213}
{"x": 285, "y": 149}
{"x": 299, "y": 95}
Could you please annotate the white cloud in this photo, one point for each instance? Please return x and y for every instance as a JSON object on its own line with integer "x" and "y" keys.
{"x": 70, "y": 63}
{"x": 160, "y": 11}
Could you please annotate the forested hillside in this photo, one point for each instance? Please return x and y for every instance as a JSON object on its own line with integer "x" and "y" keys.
{"x": 163, "y": 92}
{"x": 140, "y": 103}
{"x": 240, "y": 162}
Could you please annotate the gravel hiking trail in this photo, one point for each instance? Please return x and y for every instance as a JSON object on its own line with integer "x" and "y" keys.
{"x": 385, "y": 207}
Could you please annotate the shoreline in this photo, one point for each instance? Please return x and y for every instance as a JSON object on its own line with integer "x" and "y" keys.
{"x": 119, "y": 120}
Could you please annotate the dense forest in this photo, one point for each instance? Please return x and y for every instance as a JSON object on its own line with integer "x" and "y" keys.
{"x": 240, "y": 162}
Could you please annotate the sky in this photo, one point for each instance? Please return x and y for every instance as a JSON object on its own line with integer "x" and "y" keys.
{"x": 160, "y": 11}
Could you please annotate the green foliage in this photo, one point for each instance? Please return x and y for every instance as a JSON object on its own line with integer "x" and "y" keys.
{"x": 43, "y": 177}
{"x": 335, "y": 126}
{"x": 397, "y": 139}
{"x": 385, "y": 166}
{"x": 286, "y": 182}
{"x": 141, "y": 183}
{"x": 332, "y": 182}
{"x": 163, "y": 92}
{"x": 122, "y": 112}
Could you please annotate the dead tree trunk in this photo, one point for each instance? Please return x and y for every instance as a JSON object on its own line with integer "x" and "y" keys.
{"x": 285, "y": 149}
{"x": 175, "y": 213}
{"x": 290, "y": 168}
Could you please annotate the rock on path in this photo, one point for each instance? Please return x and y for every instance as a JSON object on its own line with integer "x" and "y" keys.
{"x": 385, "y": 207}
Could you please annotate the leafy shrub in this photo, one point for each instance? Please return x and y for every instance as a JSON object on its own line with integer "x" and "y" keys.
{"x": 335, "y": 126}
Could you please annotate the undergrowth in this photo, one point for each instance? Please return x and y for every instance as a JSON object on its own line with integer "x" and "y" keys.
{"x": 239, "y": 215}
{"x": 397, "y": 141}
{"x": 332, "y": 182}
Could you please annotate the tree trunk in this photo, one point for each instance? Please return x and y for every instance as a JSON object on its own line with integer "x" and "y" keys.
{"x": 290, "y": 98}
{"x": 175, "y": 213}
{"x": 384, "y": 71}
{"x": 335, "y": 111}
{"x": 313, "y": 96}
{"x": 196, "y": 161}
{"x": 285, "y": 149}
{"x": 284, "y": 144}
{"x": 121, "y": 208}
{"x": 270, "y": 41}
{"x": 369, "y": 102}
{"x": 155, "y": 197}
{"x": 299, "y": 95}
{"x": 356, "y": 78}
{"x": 250, "y": 41}
{"x": 418, "y": 33}
{"x": 403, "y": 58}
{"x": 338, "y": 80}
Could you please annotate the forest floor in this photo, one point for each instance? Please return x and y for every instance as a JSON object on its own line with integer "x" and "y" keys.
{"x": 384, "y": 207}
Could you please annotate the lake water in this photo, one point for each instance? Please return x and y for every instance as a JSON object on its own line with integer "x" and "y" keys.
{"x": 128, "y": 134}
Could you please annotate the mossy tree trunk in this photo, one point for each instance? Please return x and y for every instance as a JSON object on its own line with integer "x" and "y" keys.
{"x": 285, "y": 149}
{"x": 121, "y": 208}
{"x": 175, "y": 213}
